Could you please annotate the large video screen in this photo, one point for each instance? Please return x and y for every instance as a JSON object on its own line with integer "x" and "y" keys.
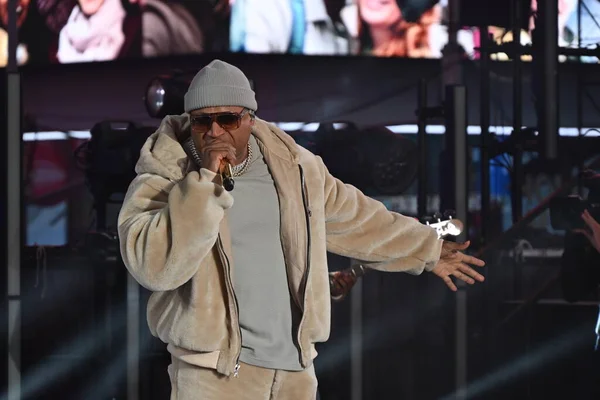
{"x": 75, "y": 31}
{"x": 79, "y": 31}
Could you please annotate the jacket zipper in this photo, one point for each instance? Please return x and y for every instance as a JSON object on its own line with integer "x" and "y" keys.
{"x": 307, "y": 215}
{"x": 236, "y": 369}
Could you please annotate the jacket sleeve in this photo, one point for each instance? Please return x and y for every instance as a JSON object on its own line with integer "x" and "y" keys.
{"x": 363, "y": 228}
{"x": 164, "y": 234}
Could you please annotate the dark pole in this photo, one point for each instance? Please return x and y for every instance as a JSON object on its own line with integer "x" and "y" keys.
{"x": 13, "y": 202}
{"x": 456, "y": 168}
{"x": 457, "y": 152}
{"x": 545, "y": 39}
{"x": 580, "y": 88}
{"x": 422, "y": 146}
{"x": 13, "y": 37}
{"x": 484, "y": 120}
{"x": 517, "y": 178}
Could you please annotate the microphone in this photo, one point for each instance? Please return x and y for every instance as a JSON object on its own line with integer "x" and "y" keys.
{"x": 227, "y": 176}
{"x": 338, "y": 287}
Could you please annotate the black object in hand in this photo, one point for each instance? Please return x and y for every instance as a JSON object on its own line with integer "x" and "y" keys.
{"x": 228, "y": 183}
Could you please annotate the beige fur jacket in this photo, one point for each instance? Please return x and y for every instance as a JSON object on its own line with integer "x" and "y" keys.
{"x": 175, "y": 241}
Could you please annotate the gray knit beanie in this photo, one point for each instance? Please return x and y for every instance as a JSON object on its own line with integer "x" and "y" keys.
{"x": 219, "y": 84}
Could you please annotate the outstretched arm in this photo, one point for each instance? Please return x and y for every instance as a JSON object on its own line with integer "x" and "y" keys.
{"x": 362, "y": 228}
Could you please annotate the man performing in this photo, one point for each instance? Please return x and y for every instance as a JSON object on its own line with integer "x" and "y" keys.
{"x": 240, "y": 280}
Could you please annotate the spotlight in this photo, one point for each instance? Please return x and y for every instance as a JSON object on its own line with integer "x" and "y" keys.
{"x": 164, "y": 95}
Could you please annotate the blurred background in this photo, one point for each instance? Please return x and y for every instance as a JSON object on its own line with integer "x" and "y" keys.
{"x": 425, "y": 105}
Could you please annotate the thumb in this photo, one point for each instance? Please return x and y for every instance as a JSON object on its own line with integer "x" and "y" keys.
{"x": 462, "y": 246}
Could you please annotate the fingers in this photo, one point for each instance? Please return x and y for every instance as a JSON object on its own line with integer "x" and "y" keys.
{"x": 470, "y": 272}
{"x": 334, "y": 285}
{"x": 342, "y": 280}
{"x": 449, "y": 249}
{"x": 463, "y": 277}
{"x": 458, "y": 256}
{"x": 345, "y": 282}
{"x": 454, "y": 263}
{"x": 465, "y": 274}
{"x": 225, "y": 149}
{"x": 457, "y": 246}
{"x": 450, "y": 284}
{"x": 470, "y": 260}
{"x": 589, "y": 220}
{"x": 215, "y": 153}
{"x": 341, "y": 283}
{"x": 340, "y": 286}
{"x": 463, "y": 246}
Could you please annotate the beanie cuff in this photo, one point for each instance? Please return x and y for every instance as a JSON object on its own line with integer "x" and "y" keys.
{"x": 219, "y": 96}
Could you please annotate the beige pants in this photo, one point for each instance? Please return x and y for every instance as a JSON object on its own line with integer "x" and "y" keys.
{"x": 189, "y": 382}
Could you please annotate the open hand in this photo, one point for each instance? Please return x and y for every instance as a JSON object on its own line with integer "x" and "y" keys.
{"x": 454, "y": 263}
{"x": 593, "y": 233}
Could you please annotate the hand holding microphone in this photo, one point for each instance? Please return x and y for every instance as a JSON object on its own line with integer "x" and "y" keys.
{"x": 217, "y": 157}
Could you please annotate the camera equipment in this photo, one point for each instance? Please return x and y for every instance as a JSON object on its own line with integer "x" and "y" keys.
{"x": 565, "y": 212}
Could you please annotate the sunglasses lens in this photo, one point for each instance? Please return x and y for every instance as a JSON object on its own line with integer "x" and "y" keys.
{"x": 228, "y": 121}
{"x": 201, "y": 123}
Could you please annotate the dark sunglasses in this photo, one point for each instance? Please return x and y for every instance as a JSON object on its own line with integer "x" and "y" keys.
{"x": 226, "y": 120}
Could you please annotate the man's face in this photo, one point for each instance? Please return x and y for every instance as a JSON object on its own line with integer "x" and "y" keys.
{"x": 238, "y": 137}
{"x": 22, "y": 8}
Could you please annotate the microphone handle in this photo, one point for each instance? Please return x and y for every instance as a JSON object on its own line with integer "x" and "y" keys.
{"x": 227, "y": 176}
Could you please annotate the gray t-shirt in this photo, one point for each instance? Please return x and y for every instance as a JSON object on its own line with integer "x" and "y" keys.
{"x": 268, "y": 314}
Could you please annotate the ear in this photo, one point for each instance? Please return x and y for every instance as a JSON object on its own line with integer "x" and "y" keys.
{"x": 252, "y": 120}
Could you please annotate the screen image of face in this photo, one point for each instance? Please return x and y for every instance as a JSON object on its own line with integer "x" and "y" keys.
{"x": 80, "y": 31}
{"x": 402, "y": 28}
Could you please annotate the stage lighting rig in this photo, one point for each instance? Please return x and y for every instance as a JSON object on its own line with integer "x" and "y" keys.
{"x": 108, "y": 160}
{"x": 374, "y": 159}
